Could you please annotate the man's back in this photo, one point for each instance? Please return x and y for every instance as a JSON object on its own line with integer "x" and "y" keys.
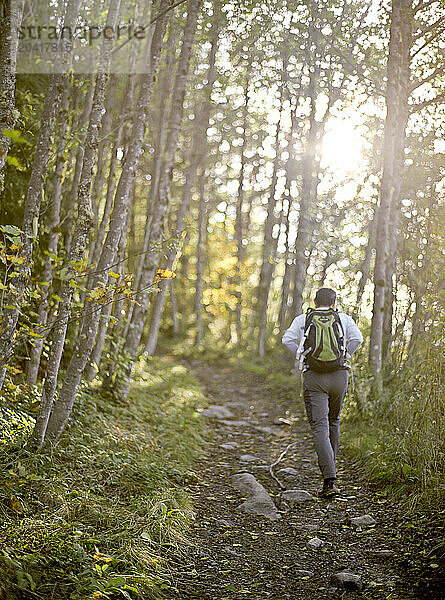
{"x": 293, "y": 337}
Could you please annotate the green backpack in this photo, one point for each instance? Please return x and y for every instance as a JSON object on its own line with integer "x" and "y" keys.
{"x": 324, "y": 341}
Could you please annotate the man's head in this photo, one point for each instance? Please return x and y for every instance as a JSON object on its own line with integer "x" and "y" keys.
{"x": 325, "y": 297}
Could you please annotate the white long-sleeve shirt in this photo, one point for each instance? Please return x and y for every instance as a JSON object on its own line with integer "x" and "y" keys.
{"x": 293, "y": 337}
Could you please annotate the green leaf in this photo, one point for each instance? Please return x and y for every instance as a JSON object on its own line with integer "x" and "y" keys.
{"x": 35, "y": 226}
{"x": 64, "y": 274}
{"x": 13, "y": 162}
{"x": 11, "y": 229}
{"x": 14, "y": 136}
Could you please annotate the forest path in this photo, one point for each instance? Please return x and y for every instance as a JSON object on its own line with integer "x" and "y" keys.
{"x": 238, "y": 555}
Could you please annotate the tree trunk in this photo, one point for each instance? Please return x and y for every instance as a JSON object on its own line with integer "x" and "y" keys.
{"x": 53, "y": 239}
{"x": 104, "y": 142}
{"x": 269, "y": 242}
{"x": 366, "y": 264}
{"x": 93, "y": 362}
{"x": 290, "y": 176}
{"x": 11, "y": 13}
{"x": 165, "y": 93}
{"x": 32, "y": 204}
{"x": 160, "y": 207}
{"x": 304, "y": 219}
{"x": 200, "y": 257}
{"x": 111, "y": 185}
{"x": 397, "y": 91}
{"x": 239, "y": 215}
{"x": 199, "y": 149}
{"x": 50, "y": 418}
{"x": 70, "y": 201}
{"x": 85, "y": 342}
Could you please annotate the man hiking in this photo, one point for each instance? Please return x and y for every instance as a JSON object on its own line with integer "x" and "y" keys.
{"x": 322, "y": 341}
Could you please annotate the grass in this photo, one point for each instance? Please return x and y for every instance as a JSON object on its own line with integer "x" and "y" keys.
{"x": 101, "y": 515}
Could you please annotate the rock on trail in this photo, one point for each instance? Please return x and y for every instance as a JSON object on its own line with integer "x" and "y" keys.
{"x": 258, "y": 500}
{"x": 217, "y": 412}
{"x": 296, "y": 496}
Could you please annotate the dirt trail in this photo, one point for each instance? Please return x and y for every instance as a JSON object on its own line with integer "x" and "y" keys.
{"x": 240, "y": 556}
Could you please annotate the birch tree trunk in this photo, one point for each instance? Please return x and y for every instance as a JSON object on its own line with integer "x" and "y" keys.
{"x": 32, "y": 203}
{"x": 165, "y": 93}
{"x": 366, "y": 264}
{"x": 397, "y": 92}
{"x": 290, "y": 176}
{"x": 85, "y": 342}
{"x": 269, "y": 242}
{"x": 69, "y": 205}
{"x": 199, "y": 149}
{"x": 53, "y": 239}
{"x": 93, "y": 361}
{"x": 239, "y": 233}
{"x": 200, "y": 258}
{"x": 160, "y": 207}
{"x": 84, "y": 222}
{"x": 10, "y": 19}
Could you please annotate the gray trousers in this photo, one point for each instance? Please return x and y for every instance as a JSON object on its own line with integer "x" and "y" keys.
{"x": 323, "y": 395}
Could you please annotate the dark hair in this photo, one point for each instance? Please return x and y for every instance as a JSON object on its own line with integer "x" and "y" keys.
{"x": 325, "y": 297}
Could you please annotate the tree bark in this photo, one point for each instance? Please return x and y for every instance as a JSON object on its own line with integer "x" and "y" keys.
{"x": 366, "y": 264}
{"x": 165, "y": 93}
{"x": 200, "y": 258}
{"x": 269, "y": 242}
{"x": 239, "y": 215}
{"x": 85, "y": 342}
{"x": 53, "y": 239}
{"x": 32, "y": 204}
{"x": 93, "y": 361}
{"x": 199, "y": 149}
{"x": 160, "y": 207}
{"x": 290, "y": 176}
{"x": 397, "y": 92}
{"x": 308, "y": 163}
{"x": 11, "y": 13}
{"x": 69, "y": 205}
{"x": 49, "y": 420}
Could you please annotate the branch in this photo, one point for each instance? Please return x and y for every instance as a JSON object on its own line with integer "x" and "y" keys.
{"x": 279, "y": 459}
{"x": 423, "y": 5}
{"x": 419, "y": 82}
{"x": 428, "y": 28}
{"x": 431, "y": 39}
{"x": 420, "y": 105}
{"x": 359, "y": 73}
{"x": 158, "y": 16}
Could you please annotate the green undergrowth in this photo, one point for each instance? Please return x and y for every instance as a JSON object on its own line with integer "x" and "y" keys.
{"x": 101, "y": 515}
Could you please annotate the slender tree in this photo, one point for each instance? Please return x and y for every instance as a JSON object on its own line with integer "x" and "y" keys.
{"x": 160, "y": 207}
{"x": 33, "y": 200}
{"x": 397, "y": 93}
{"x": 79, "y": 241}
{"x": 10, "y": 18}
{"x": 198, "y": 153}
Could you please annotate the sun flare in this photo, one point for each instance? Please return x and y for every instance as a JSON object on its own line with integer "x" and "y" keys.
{"x": 342, "y": 147}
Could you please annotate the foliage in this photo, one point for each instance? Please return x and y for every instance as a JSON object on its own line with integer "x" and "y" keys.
{"x": 99, "y": 517}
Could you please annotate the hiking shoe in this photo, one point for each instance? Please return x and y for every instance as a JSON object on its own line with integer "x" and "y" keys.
{"x": 329, "y": 489}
